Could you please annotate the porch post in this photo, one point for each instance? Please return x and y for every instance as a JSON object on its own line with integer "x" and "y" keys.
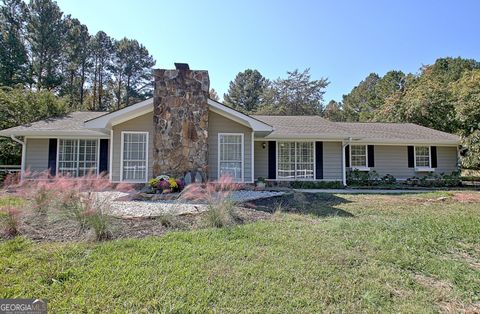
{"x": 253, "y": 153}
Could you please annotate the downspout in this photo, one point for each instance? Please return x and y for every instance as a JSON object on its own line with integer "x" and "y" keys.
{"x": 344, "y": 168}
{"x": 22, "y": 169}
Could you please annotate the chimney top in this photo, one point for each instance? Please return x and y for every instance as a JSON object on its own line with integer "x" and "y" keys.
{"x": 182, "y": 66}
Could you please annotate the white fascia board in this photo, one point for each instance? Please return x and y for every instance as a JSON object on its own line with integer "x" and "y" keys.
{"x": 56, "y": 133}
{"x": 106, "y": 121}
{"x": 256, "y": 125}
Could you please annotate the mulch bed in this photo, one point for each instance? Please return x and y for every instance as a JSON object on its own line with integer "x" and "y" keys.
{"x": 59, "y": 228}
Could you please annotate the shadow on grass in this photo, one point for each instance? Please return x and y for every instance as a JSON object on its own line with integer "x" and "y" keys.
{"x": 317, "y": 204}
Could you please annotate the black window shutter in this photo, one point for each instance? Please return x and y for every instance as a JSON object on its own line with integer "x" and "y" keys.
{"x": 411, "y": 157}
{"x": 347, "y": 156}
{"x": 103, "y": 156}
{"x": 52, "y": 156}
{"x": 272, "y": 160}
{"x": 371, "y": 156}
{"x": 318, "y": 160}
{"x": 433, "y": 151}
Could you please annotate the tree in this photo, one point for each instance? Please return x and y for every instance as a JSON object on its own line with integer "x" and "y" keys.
{"x": 13, "y": 53}
{"x": 471, "y": 152}
{"x": 298, "y": 94}
{"x": 20, "y": 106}
{"x": 362, "y": 101}
{"x": 466, "y": 93}
{"x": 76, "y": 58}
{"x": 102, "y": 53}
{"x": 333, "y": 111}
{"x": 246, "y": 91}
{"x": 213, "y": 94}
{"x": 133, "y": 69}
{"x": 45, "y": 35}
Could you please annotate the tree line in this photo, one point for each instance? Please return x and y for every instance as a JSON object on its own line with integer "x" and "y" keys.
{"x": 42, "y": 49}
{"x": 444, "y": 96}
{"x": 50, "y": 64}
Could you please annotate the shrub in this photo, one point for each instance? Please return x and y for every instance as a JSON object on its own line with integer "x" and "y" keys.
{"x": 316, "y": 185}
{"x": 363, "y": 178}
{"x": 388, "y": 179}
{"x": 9, "y": 218}
{"x": 217, "y": 196}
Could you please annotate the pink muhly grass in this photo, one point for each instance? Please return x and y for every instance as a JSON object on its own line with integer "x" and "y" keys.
{"x": 10, "y": 218}
{"x": 217, "y": 196}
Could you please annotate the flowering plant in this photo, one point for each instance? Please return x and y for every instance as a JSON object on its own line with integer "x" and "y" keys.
{"x": 167, "y": 184}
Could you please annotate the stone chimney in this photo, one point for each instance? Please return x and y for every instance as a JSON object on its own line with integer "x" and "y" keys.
{"x": 180, "y": 118}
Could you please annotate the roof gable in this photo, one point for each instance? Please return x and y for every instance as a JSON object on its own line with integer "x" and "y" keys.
{"x": 108, "y": 120}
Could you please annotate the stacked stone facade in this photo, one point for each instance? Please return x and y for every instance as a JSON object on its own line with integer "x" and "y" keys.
{"x": 180, "y": 119}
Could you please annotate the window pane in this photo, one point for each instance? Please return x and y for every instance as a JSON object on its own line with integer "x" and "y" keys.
{"x": 77, "y": 157}
{"x": 422, "y": 156}
{"x": 230, "y": 156}
{"x": 296, "y": 160}
{"x": 286, "y": 160}
{"x": 358, "y": 155}
{"x": 134, "y": 156}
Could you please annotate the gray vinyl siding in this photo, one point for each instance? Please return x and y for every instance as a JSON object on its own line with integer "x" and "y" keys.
{"x": 36, "y": 154}
{"x": 260, "y": 159}
{"x": 447, "y": 159}
{"x": 142, "y": 123}
{"x": 390, "y": 159}
{"x": 332, "y": 161}
{"x": 219, "y": 124}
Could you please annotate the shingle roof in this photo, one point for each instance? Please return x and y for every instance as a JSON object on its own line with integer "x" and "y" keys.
{"x": 285, "y": 127}
{"x": 396, "y": 131}
{"x": 310, "y": 127}
{"x": 70, "y": 123}
{"x": 301, "y": 126}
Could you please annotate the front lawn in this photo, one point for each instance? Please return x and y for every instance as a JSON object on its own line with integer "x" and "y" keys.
{"x": 340, "y": 253}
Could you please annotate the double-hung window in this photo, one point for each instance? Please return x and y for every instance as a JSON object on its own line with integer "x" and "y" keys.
{"x": 358, "y": 156}
{"x": 77, "y": 157}
{"x": 296, "y": 160}
{"x": 230, "y": 156}
{"x": 134, "y": 156}
{"x": 422, "y": 156}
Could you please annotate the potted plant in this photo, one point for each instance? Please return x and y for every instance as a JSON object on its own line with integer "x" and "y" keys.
{"x": 261, "y": 182}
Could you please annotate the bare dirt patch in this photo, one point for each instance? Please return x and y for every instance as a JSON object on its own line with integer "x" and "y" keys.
{"x": 467, "y": 197}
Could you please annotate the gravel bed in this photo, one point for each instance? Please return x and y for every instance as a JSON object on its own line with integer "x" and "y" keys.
{"x": 130, "y": 209}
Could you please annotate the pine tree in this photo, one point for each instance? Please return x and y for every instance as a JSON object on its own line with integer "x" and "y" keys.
{"x": 297, "y": 94}
{"x": 246, "y": 91}
{"x": 102, "y": 53}
{"x": 46, "y": 38}
{"x": 13, "y": 53}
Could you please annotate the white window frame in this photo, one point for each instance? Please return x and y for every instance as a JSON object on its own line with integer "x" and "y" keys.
{"x": 295, "y": 159}
{"x": 423, "y": 168}
{"x": 97, "y": 153}
{"x": 359, "y": 168}
{"x": 146, "y": 156}
{"x": 242, "y": 167}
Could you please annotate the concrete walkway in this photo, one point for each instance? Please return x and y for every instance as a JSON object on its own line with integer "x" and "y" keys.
{"x": 361, "y": 191}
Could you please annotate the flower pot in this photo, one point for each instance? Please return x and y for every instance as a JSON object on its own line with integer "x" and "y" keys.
{"x": 261, "y": 184}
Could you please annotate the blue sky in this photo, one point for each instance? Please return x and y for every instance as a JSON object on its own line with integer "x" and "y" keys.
{"x": 341, "y": 40}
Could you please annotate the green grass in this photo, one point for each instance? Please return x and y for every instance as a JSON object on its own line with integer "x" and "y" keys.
{"x": 10, "y": 201}
{"x": 405, "y": 253}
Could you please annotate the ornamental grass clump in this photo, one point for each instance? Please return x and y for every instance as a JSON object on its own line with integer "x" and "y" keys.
{"x": 218, "y": 198}
{"x": 75, "y": 198}
{"x": 10, "y": 221}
